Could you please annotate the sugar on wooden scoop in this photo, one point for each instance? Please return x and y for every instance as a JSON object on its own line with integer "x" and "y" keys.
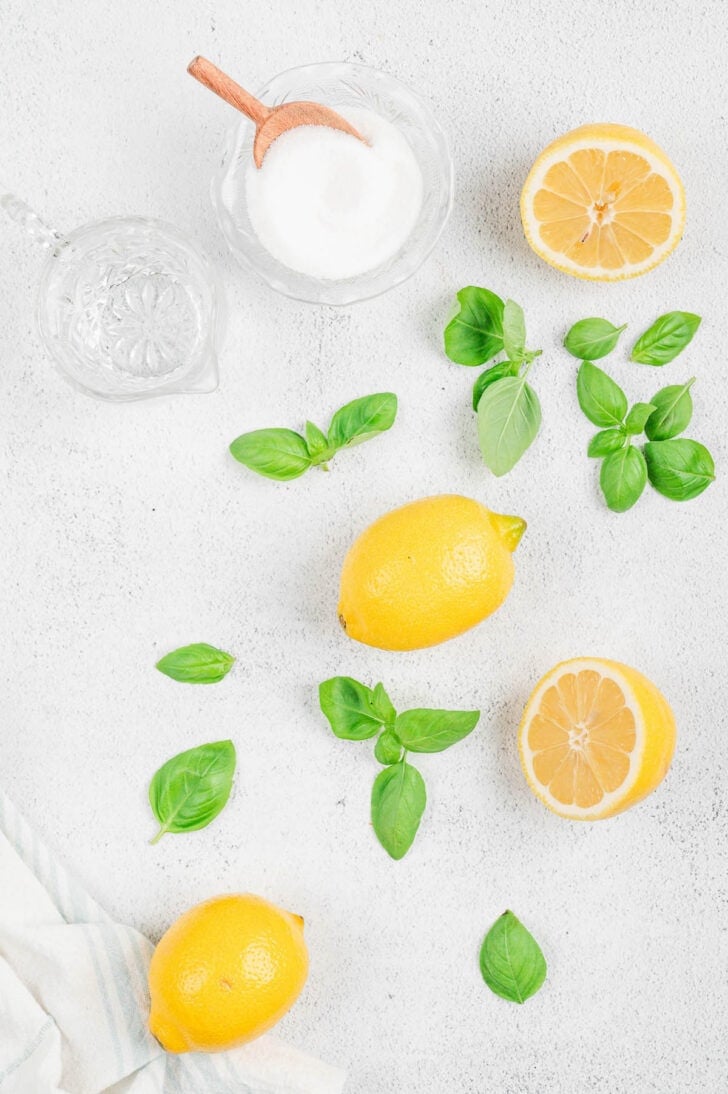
{"x": 270, "y": 121}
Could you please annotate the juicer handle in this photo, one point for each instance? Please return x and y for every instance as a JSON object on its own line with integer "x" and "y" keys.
{"x": 36, "y": 228}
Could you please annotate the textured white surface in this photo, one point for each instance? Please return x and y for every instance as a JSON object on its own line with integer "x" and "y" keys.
{"x": 128, "y": 530}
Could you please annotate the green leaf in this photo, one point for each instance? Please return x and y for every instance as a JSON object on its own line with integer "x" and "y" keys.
{"x": 196, "y": 664}
{"x": 388, "y": 749}
{"x": 191, "y": 789}
{"x": 635, "y": 421}
{"x": 398, "y": 802}
{"x": 511, "y": 961}
{"x": 383, "y": 705}
{"x": 434, "y": 730}
{"x": 350, "y": 708}
{"x": 680, "y": 469}
{"x": 514, "y": 331}
{"x": 623, "y": 477}
{"x": 475, "y": 334}
{"x": 362, "y": 419}
{"x": 603, "y": 401}
{"x": 667, "y": 337}
{"x": 495, "y": 372}
{"x": 318, "y": 446}
{"x": 672, "y": 413}
{"x": 509, "y": 416}
{"x": 609, "y": 440}
{"x": 590, "y": 339}
{"x": 276, "y": 453}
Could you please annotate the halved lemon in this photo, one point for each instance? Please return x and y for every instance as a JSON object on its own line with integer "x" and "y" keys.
{"x": 596, "y": 737}
{"x": 603, "y": 202}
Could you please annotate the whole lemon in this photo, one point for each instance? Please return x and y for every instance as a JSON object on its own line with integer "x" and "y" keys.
{"x": 225, "y": 972}
{"x": 427, "y": 572}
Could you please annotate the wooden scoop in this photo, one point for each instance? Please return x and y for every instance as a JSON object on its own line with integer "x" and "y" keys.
{"x": 270, "y": 121}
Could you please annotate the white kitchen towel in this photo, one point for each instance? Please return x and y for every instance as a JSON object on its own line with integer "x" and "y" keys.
{"x": 74, "y": 1002}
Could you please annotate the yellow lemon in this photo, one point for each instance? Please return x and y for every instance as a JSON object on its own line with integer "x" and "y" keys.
{"x": 225, "y": 972}
{"x": 603, "y": 202}
{"x": 596, "y": 737}
{"x": 427, "y": 572}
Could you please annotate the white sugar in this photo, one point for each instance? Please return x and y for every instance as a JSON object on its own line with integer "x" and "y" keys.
{"x": 328, "y": 205}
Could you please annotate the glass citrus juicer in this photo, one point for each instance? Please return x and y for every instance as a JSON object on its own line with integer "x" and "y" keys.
{"x": 128, "y": 307}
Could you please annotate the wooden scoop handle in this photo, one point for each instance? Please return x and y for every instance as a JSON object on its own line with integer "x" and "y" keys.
{"x": 224, "y": 86}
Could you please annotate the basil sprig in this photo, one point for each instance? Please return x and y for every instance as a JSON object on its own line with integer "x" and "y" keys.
{"x": 356, "y": 712}
{"x": 590, "y": 339}
{"x": 511, "y": 961}
{"x": 192, "y": 788}
{"x": 509, "y": 412}
{"x": 678, "y": 468}
{"x": 668, "y": 336}
{"x": 283, "y": 454}
{"x": 196, "y": 664}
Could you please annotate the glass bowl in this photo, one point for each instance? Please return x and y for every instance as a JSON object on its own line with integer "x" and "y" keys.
{"x": 340, "y": 85}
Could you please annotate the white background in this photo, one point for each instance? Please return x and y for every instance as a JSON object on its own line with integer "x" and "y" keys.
{"x": 128, "y": 530}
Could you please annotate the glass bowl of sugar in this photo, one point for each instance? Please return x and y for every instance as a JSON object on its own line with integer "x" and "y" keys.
{"x": 327, "y": 218}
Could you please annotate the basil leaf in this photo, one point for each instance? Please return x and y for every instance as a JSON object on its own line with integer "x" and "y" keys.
{"x": 590, "y": 339}
{"x": 434, "y": 730}
{"x": 188, "y": 791}
{"x": 511, "y": 961}
{"x": 635, "y": 421}
{"x": 623, "y": 477}
{"x": 514, "y": 331}
{"x": 388, "y": 749}
{"x": 680, "y": 469}
{"x": 475, "y": 334}
{"x": 495, "y": 372}
{"x": 363, "y": 418}
{"x": 609, "y": 440}
{"x": 276, "y": 453}
{"x": 603, "y": 401}
{"x": 196, "y": 664}
{"x": 398, "y": 802}
{"x": 318, "y": 446}
{"x": 350, "y": 708}
{"x": 382, "y": 705}
{"x": 672, "y": 413}
{"x": 509, "y": 416}
{"x": 667, "y": 337}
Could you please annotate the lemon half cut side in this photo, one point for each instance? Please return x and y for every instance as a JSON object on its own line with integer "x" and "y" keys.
{"x": 596, "y": 737}
{"x": 603, "y": 202}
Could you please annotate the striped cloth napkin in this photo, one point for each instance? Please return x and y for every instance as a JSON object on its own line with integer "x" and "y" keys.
{"x": 74, "y": 1002}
